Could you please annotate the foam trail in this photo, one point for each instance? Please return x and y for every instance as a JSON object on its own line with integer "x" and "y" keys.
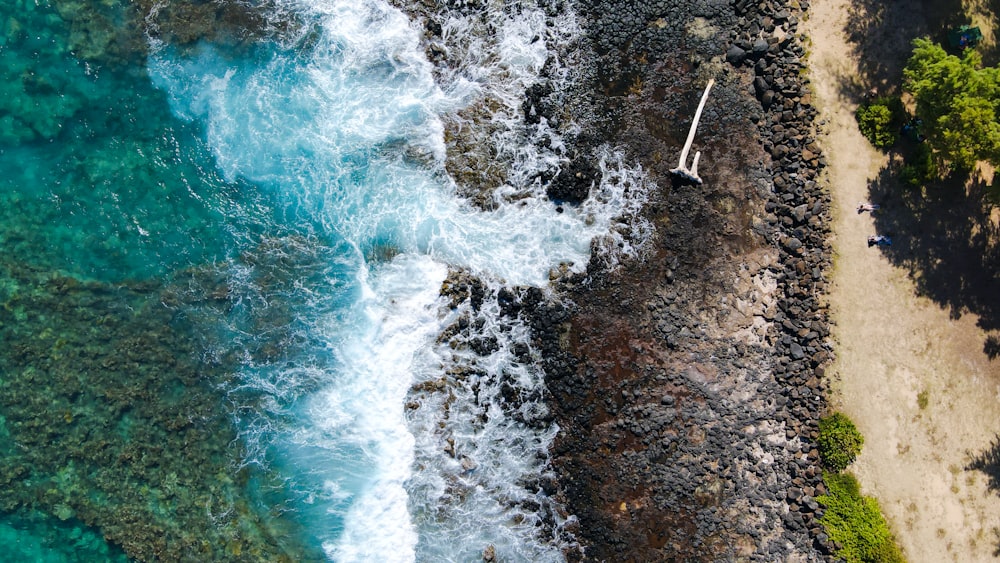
{"x": 364, "y": 409}
{"x": 335, "y": 167}
{"x": 483, "y": 439}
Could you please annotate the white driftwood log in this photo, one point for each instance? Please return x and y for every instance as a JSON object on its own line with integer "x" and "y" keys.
{"x": 691, "y": 174}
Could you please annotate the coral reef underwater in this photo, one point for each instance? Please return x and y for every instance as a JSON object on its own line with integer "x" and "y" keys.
{"x": 115, "y": 439}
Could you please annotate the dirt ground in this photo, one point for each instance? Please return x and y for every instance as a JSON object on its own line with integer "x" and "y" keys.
{"x": 914, "y": 378}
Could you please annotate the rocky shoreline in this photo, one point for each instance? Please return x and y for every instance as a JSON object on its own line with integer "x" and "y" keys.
{"x": 687, "y": 388}
{"x": 687, "y": 385}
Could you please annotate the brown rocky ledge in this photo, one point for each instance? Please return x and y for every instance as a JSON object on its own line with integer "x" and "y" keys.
{"x": 687, "y": 387}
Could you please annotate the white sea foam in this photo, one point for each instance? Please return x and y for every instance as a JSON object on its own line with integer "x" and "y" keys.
{"x": 344, "y": 134}
{"x": 482, "y": 445}
{"x": 363, "y": 409}
{"x": 504, "y": 50}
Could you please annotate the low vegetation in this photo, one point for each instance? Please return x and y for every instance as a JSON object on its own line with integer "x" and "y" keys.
{"x": 856, "y": 523}
{"x": 853, "y": 521}
{"x": 919, "y": 167}
{"x": 839, "y": 441}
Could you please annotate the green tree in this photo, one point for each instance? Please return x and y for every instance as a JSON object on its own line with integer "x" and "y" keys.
{"x": 958, "y": 101}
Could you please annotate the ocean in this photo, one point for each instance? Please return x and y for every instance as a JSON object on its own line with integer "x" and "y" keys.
{"x": 248, "y": 310}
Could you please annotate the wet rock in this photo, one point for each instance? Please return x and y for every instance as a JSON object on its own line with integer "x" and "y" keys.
{"x": 536, "y": 105}
{"x": 573, "y": 183}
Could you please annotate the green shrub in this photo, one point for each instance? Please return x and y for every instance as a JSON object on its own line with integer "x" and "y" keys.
{"x": 880, "y": 121}
{"x": 839, "y": 441}
{"x": 856, "y": 522}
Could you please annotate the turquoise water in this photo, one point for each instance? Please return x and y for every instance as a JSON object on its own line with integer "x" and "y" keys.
{"x": 109, "y": 203}
{"x": 98, "y": 178}
{"x": 42, "y": 538}
{"x": 220, "y": 310}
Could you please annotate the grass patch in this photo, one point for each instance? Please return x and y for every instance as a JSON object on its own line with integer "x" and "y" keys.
{"x": 923, "y": 399}
{"x": 856, "y": 522}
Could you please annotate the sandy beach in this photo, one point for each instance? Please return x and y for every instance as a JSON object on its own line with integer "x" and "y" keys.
{"x": 911, "y": 374}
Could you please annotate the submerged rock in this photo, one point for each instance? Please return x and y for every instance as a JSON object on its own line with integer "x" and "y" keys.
{"x": 112, "y": 420}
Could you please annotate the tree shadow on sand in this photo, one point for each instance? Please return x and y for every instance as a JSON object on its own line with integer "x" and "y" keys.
{"x": 988, "y": 462}
{"x": 992, "y": 347}
{"x": 881, "y": 34}
{"x": 943, "y": 235}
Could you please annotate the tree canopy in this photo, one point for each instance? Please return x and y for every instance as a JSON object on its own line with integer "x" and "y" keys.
{"x": 958, "y": 101}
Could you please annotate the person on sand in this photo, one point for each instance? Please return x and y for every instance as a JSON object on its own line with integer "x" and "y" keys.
{"x": 862, "y": 207}
{"x": 879, "y": 240}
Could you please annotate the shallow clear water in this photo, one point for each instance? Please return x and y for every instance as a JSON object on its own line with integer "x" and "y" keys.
{"x": 305, "y": 179}
{"x": 97, "y": 178}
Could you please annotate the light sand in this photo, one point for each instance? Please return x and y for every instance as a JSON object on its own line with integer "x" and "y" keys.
{"x": 892, "y": 345}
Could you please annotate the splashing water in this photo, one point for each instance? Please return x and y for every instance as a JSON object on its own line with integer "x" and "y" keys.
{"x": 342, "y": 127}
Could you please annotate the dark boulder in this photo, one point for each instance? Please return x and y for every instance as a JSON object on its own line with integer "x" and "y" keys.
{"x": 536, "y": 104}
{"x": 735, "y": 56}
{"x": 572, "y": 184}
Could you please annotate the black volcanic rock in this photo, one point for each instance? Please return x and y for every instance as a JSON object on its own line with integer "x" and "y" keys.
{"x": 655, "y": 370}
{"x": 735, "y": 55}
{"x": 573, "y": 183}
